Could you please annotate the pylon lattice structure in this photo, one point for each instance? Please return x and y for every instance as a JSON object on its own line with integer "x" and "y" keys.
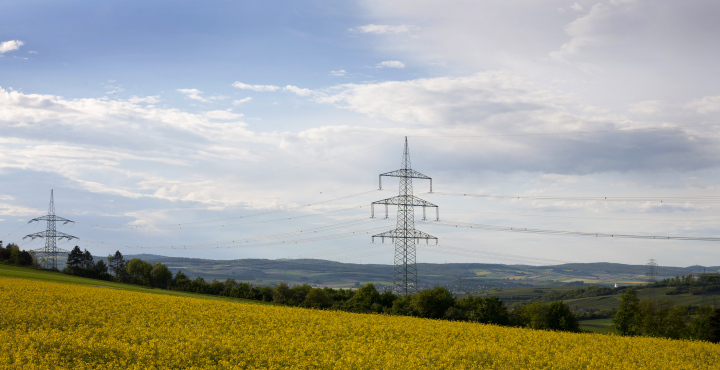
{"x": 404, "y": 235}
{"x": 48, "y": 254}
{"x": 651, "y": 272}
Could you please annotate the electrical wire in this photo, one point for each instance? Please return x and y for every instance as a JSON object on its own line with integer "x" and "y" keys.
{"x": 229, "y": 218}
{"x": 583, "y": 217}
{"x": 563, "y": 232}
{"x": 574, "y": 132}
{"x": 252, "y": 242}
{"x": 701, "y": 199}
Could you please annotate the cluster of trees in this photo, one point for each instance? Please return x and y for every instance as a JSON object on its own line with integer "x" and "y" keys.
{"x": 82, "y": 263}
{"x": 436, "y": 303}
{"x": 691, "y": 284}
{"x": 591, "y": 291}
{"x": 12, "y": 254}
{"x": 659, "y": 318}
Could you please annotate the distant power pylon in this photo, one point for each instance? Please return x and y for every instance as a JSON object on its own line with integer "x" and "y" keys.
{"x": 49, "y": 253}
{"x": 405, "y": 235}
{"x": 651, "y": 272}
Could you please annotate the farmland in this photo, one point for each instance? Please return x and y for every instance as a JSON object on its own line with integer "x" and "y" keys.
{"x": 75, "y": 326}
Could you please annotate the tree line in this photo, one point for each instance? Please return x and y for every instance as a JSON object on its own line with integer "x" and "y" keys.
{"x": 436, "y": 303}
{"x": 13, "y": 255}
{"x": 660, "y": 318}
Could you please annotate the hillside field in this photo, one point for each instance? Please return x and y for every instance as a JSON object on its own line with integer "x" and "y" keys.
{"x": 52, "y": 324}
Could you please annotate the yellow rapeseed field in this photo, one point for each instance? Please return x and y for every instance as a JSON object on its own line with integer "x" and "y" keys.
{"x": 48, "y": 325}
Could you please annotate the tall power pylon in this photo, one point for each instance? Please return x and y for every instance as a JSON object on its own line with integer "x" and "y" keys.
{"x": 405, "y": 236}
{"x": 651, "y": 272}
{"x": 50, "y": 252}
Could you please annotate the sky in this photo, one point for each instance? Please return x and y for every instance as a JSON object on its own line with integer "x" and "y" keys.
{"x": 251, "y": 129}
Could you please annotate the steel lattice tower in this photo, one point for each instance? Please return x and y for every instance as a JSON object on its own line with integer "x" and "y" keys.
{"x": 405, "y": 236}
{"x": 651, "y": 272}
{"x": 50, "y": 252}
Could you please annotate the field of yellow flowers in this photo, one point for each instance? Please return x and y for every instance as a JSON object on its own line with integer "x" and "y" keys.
{"x": 52, "y": 325}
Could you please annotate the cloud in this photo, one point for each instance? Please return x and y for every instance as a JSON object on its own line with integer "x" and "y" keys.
{"x": 338, "y": 73}
{"x": 705, "y": 105}
{"x": 32, "y": 52}
{"x": 223, "y": 115}
{"x": 645, "y": 107}
{"x": 146, "y": 100}
{"x": 242, "y": 101}
{"x": 515, "y": 115}
{"x": 193, "y": 94}
{"x": 298, "y": 90}
{"x": 10, "y": 45}
{"x": 244, "y": 86}
{"x": 390, "y": 64}
{"x": 382, "y": 29}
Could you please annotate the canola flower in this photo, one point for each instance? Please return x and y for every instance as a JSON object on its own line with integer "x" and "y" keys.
{"x": 52, "y": 325}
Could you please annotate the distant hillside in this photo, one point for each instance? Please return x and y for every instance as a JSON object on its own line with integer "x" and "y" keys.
{"x": 459, "y": 276}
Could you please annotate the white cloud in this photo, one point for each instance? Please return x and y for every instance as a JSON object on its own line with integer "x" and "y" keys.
{"x": 390, "y": 64}
{"x": 338, "y": 73}
{"x": 244, "y": 86}
{"x": 242, "y": 101}
{"x": 298, "y": 90}
{"x": 223, "y": 115}
{"x": 193, "y": 94}
{"x": 645, "y": 107}
{"x": 146, "y": 100}
{"x": 705, "y": 105}
{"x": 380, "y": 29}
{"x": 32, "y": 52}
{"x": 576, "y": 7}
{"x": 10, "y": 45}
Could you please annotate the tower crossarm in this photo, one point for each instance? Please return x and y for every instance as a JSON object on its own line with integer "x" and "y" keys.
{"x": 44, "y": 234}
{"x": 404, "y": 200}
{"x": 404, "y": 172}
{"x": 45, "y": 251}
{"x": 404, "y": 234}
{"x": 52, "y": 218}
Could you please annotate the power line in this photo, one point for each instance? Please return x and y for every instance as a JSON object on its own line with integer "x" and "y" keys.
{"x": 494, "y": 255}
{"x": 252, "y": 242}
{"x": 563, "y": 232}
{"x": 585, "y": 217}
{"x": 230, "y": 218}
{"x": 573, "y": 132}
{"x": 250, "y": 222}
{"x": 699, "y": 199}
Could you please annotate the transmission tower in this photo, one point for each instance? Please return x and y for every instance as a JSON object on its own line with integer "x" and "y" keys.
{"x": 651, "y": 272}
{"x": 48, "y": 254}
{"x": 405, "y": 236}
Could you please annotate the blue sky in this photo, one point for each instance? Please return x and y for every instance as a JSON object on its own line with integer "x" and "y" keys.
{"x": 161, "y": 124}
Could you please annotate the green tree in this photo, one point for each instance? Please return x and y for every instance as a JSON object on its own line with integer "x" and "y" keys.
{"x": 489, "y": 310}
{"x": 139, "y": 271}
{"x": 282, "y": 294}
{"x": 364, "y": 299}
{"x": 317, "y": 298}
{"x": 100, "y": 271}
{"x": 181, "y": 281}
{"x": 714, "y": 326}
{"x": 161, "y": 276}
{"x": 432, "y": 303}
{"x": 661, "y": 319}
{"x": 699, "y": 326}
{"x": 559, "y": 317}
{"x": 75, "y": 257}
{"x": 116, "y": 263}
{"x": 627, "y": 320}
{"x": 4, "y": 253}
{"x": 87, "y": 260}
